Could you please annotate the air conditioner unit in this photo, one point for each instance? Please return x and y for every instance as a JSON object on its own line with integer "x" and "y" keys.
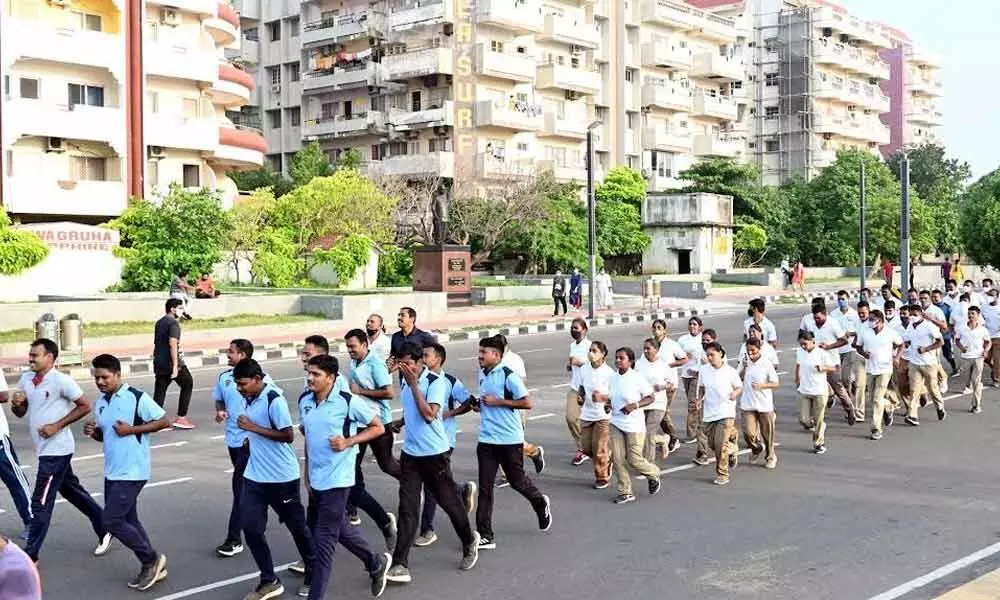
{"x": 55, "y": 144}
{"x": 63, "y": 3}
{"x": 440, "y": 130}
{"x": 411, "y": 134}
{"x": 170, "y": 16}
{"x": 571, "y": 95}
{"x": 276, "y": 88}
{"x": 852, "y": 107}
{"x": 574, "y": 49}
{"x": 156, "y": 152}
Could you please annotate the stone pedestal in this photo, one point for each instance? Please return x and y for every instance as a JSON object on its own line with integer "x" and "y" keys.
{"x": 443, "y": 269}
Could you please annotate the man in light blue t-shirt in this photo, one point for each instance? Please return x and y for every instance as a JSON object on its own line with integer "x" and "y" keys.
{"x": 501, "y": 439}
{"x": 271, "y": 478}
{"x": 123, "y": 418}
{"x": 335, "y": 422}
{"x": 426, "y": 459}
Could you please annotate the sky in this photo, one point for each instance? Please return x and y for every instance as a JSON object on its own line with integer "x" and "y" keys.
{"x": 964, "y": 34}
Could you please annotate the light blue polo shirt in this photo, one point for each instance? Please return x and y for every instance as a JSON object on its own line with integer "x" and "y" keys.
{"x": 225, "y": 391}
{"x": 459, "y": 396}
{"x": 342, "y": 413}
{"x": 499, "y": 424}
{"x": 126, "y": 458}
{"x": 270, "y": 461}
{"x": 423, "y": 438}
{"x": 372, "y": 374}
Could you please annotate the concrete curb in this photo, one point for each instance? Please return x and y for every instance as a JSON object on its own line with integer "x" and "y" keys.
{"x": 142, "y": 365}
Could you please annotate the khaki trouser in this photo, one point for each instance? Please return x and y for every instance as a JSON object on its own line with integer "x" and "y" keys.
{"x": 595, "y": 443}
{"x": 848, "y": 375}
{"x": 667, "y": 423}
{"x": 923, "y": 378}
{"x": 573, "y": 416}
{"x": 860, "y": 386}
{"x": 812, "y": 415}
{"x": 878, "y": 385}
{"x": 695, "y": 411}
{"x": 654, "y": 436}
{"x": 722, "y": 438}
{"x": 972, "y": 377}
{"x": 626, "y": 451}
{"x": 995, "y": 360}
{"x": 758, "y": 432}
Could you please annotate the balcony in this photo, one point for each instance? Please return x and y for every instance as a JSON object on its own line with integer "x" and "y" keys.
{"x": 42, "y": 195}
{"x": 233, "y": 88}
{"x": 433, "y": 164}
{"x": 563, "y": 172}
{"x": 926, "y": 115}
{"x": 519, "y": 16}
{"x": 667, "y": 140}
{"x": 438, "y": 114}
{"x": 922, "y": 82}
{"x": 489, "y": 166}
{"x": 836, "y": 18}
{"x": 199, "y": 7}
{"x": 831, "y": 88}
{"x": 714, "y": 107}
{"x": 24, "y": 116}
{"x": 37, "y": 40}
{"x": 665, "y": 182}
{"x": 710, "y": 65}
{"x": 420, "y": 12}
{"x": 829, "y": 123}
{"x": 922, "y": 56}
{"x": 715, "y": 145}
{"x": 573, "y": 32}
{"x": 669, "y": 97}
{"x": 342, "y": 126}
{"x": 239, "y": 148}
{"x": 554, "y": 76}
{"x": 665, "y": 54}
{"x": 177, "y": 131}
{"x": 223, "y": 25}
{"x": 518, "y": 117}
{"x": 872, "y": 97}
{"x": 573, "y": 127}
{"x": 181, "y": 62}
{"x": 679, "y": 15}
{"x": 339, "y": 78}
{"x": 339, "y": 29}
{"x": 419, "y": 63}
{"x": 872, "y": 65}
{"x": 504, "y": 65}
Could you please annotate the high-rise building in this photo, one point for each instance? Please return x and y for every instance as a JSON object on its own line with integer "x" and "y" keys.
{"x": 913, "y": 88}
{"x": 109, "y": 99}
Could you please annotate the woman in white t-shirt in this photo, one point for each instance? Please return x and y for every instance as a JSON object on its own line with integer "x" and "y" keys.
{"x": 630, "y": 393}
{"x": 595, "y": 412}
{"x": 663, "y": 378}
{"x": 757, "y": 403}
{"x": 671, "y": 354}
{"x": 767, "y": 350}
{"x": 811, "y": 366}
{"x": 691, "y": 343}
{"x": 719, "y": 387}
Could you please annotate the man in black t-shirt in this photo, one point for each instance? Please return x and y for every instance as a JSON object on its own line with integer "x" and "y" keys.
{"x": 408, "y": 332}
{"x": 168, "y": 362}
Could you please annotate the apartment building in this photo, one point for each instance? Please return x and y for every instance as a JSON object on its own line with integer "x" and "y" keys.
{"x": 99, "y": 106}
{"x": 913, "y": 89}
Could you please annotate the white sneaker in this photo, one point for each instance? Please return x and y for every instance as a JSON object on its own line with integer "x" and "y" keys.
{"x": 103, "y": 546}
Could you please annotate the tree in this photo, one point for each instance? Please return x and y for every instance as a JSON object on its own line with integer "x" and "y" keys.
{"x": 248, "y": 181}
{"x": 416, "y": 202}
{"x": 19, "y": 250}
{"x": 248, "y": 230}
{"x": 619, "y": 229}
{"x": 749, "y": 243}
{"x": 728, "y": 177}
{"x": 184, "y": 234}
{"x": 939, "y": 181}
{"x": 556, "y": 241}
{"x": 980, "y": 220}
{"x": 349, "y": 159}
{"x": 308, "y": 163}
{"x": 622, "y": 184}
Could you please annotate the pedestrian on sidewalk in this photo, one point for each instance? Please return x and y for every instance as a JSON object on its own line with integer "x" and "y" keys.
{"x": 408, "y": 332}
{"x": 946, "y": 271}
{"x": 595, "y": 412}
{"x": 719, "y": 387}
{"x": 559, "y": 293}
{"x": 168, "y": 363}
{"x": 579, "y": 350}
{"x": 630, "y": 393}
{"x": 576, "y": 289}
{"x": 10, "y": 467}
{"x": 181, "y": 290}
{"x": 799, "y": 277}
{"x": 123, "y": 418}
{"x": 786, "y": 273}
{"x": 887, "y": 271}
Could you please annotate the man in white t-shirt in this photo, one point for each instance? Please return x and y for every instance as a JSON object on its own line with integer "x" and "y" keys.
{"x": 991, "y": 317}
{"x": 10, "y": 467}
{"x": 973, "y": 341}
{"x": 578, "y": 350}
{"x": 756, "y": 315}
{"x": 757, "y": 403}
{"x": 829, "y": 337}
{"x": 923, "y": 340}
{"x": 880, "y": 346}
{"x": 848, "y": 319}
{"x": 812, "y": 368}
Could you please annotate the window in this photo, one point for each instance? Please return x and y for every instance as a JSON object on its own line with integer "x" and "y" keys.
{"x": 771, "y": 44}
{"x": 274, "y": 31}
{"x": 87, "y": 22}
{"x": 189, "y": 108}
{"x": 89, "y": 95}
{"x": 771, "y": 112}
{"x": 153, "y": 173}
{"x": 293, "y": 27}
{"x": 274, "y": 119}
{"x": 88, "y": 168}
{"x": 274, "y": 161}
{"x": 496, "y": 46}
{"x": 294, "y": 116}
{"x": 440, "y": 144}
{"x": 252, "y": 34}
{"x": 770, "y": 79}
{"x": 327, "y": 110}
{"x": 153, "y": 102}
{"x": 192, "y": 176}
{"x": 629, "y": 75}
{"x": 294, "y": 74}
{"x": 274, "y": 75}
{"x": 771, "y": 146}
{"x": 522, "y": 147}
{"x": 29, "y": 88}
{"x": 631, "y": 120}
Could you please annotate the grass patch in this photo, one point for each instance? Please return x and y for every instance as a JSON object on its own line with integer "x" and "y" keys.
{"x": 308, "y": 291}
{"x": 99, "y": 330}
{"x": 732, "y": 284}
{"x": 490, "y": 282}
{"x": 535, "y": 302}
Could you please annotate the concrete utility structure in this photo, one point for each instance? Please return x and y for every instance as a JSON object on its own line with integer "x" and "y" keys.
{"x": 691, "y": 233}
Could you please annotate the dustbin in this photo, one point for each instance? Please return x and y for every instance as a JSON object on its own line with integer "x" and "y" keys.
{"x": 71, "y": 334}
{"x": 47, "y": 327}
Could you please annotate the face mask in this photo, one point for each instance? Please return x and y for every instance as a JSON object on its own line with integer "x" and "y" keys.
{"x": 842, "y": 303}
{"x": 577, "y": 335}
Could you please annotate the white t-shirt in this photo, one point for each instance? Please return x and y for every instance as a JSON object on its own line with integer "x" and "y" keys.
{"x": 991, "y": 315}
{"x": 933, "y": 313}
{"x": 923, "y": 334}
{"x": 657, "y": 373}
{"x": 973, "y": 340}
{"x": 879, "y": 347}
{"x": 960, "y": 315}
{"x": 877, "y": 303}
{"x": 896, "y": 324}
{"x": 670, "y": 351}
{"x": 52, "y": 399}
{"x": 849, "y": 322}
{"x": 595, "y": 380}
{"x": 691, "y": 344}
{"x": 830, "y": 332}
{"x": 767, "y": 352}
{"x": 811, "y": 381}
{"x": 761, "y": 371}
{"x": 514, "y": 362}
{"x": 805, "y": 321}
{"x": 579, "y": 351}
{"x": 629, "y": 388}
{"x": 767, "y": 328}
{"x": 381, "y": 346}
{"x": 719, "y": 384}
{"x": 4, "y": 427}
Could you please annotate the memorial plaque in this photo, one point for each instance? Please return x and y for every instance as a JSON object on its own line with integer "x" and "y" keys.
{"x": 456, "y": 264}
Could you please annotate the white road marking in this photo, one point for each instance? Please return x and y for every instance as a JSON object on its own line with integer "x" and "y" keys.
{"x": 101, "y": 455}
{"x": 541, "y": 416}
{"x": 219, "y": 584}
{"x": 148, "y": 485}
{"x": 692, "y": 465}
{"x": 939, "y": 573}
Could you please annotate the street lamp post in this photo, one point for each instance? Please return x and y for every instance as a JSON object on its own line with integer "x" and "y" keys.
{"x": 864, "y": 264}
{"x": 904, "y": 224}
{"x": 591, "y": 220}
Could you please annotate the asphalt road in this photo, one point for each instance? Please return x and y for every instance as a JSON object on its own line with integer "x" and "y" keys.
{"x": 863, "y": 519}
